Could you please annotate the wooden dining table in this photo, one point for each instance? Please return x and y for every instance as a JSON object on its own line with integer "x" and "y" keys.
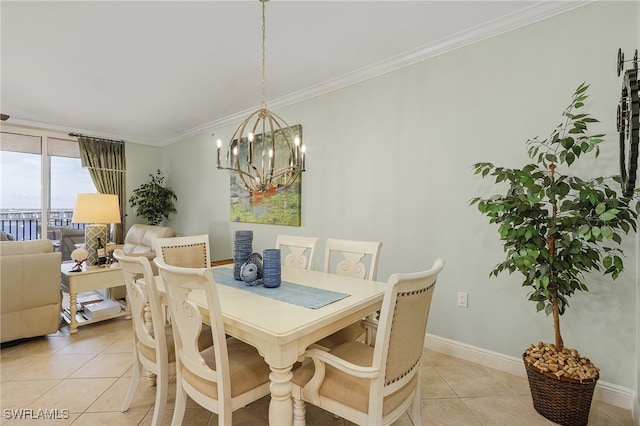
{"x": 282, "y": 331}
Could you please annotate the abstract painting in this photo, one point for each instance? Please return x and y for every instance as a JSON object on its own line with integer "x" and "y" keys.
{"x": 280, "y": 206}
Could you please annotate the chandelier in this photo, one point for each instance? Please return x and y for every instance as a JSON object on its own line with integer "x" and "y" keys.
{"x": 264, "y": 154}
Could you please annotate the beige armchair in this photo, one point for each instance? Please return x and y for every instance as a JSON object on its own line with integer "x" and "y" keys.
{"x": 374, "y": 385}
{"x": 67, "y": 237}
{"x": 140, "y": 239}
{"x": 30, "y": 296}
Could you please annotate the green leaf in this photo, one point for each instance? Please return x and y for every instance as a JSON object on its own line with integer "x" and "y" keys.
{"x": 607, "y": 232}
{"x": 617, "y": 262}
{"x": 609, "y": 215}
{"x": 582, "y": 88}
{"x": 567, "y": 142}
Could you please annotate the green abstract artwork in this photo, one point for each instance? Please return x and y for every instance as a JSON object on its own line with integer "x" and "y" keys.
{"x": 276, "y": 206}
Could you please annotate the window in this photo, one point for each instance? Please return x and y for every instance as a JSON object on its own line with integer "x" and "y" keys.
{"x": 35, "y": 186}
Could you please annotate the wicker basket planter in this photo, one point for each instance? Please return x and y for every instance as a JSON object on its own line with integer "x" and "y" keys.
{"x": 562, "y": 400}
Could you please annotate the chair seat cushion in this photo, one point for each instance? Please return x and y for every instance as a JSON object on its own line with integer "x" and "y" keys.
{"x": 247, "y": 370}
{"x": 205, "y": 341}
{"x": 349, "y": 390}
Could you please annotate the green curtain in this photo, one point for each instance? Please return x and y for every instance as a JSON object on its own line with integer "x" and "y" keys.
{"x": 105, "y": 161}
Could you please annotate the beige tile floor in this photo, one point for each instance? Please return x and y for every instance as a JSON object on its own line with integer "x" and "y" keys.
{"x": 87, "y": 374}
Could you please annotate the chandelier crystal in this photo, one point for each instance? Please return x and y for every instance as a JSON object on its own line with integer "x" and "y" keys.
{"x": 264, "y": 154}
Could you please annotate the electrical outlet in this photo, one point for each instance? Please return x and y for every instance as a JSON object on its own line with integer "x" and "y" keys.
{"x": 462, "y": 299}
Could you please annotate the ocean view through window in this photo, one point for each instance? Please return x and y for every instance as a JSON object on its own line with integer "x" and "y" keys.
{"x": 38, "y": 191}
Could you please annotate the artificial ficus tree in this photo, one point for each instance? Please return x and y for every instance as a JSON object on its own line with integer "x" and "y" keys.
{"x": 556, "y": 227}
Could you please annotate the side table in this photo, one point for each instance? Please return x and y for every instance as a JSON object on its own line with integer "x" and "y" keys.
{"x": 90, "y": 278}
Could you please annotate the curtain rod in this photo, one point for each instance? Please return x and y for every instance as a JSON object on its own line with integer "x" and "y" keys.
{"x": 79, "y": 135}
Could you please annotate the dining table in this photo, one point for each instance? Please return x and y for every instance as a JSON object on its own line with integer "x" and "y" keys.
{"x": 280, "y": 327}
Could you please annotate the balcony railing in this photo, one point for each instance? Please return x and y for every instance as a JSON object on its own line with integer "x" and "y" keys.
{"x": 25, "y": 224}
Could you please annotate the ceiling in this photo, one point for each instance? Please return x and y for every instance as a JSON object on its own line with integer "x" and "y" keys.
{"x": 153, "y": 72}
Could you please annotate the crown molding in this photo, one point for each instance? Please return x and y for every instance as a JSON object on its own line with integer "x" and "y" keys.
{"x": 535, "y": 13}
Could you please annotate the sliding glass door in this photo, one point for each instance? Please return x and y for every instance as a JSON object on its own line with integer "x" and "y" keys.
{"x": 40, "y": 176}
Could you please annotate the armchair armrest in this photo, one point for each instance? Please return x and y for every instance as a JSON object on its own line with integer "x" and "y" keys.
{"x": 320, "y": 356}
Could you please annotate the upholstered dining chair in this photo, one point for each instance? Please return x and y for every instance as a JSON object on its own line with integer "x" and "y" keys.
{"x": 300, "y": 252}
{"x": 187, "y": 252}
{"x": 352, "y": 258}
{"x": 153, "y": 338}
{"x": 223, "y": 378}
{"x": 374, "y": 385}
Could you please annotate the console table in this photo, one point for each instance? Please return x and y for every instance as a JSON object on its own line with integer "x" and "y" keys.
{"x": 90, "y": 278}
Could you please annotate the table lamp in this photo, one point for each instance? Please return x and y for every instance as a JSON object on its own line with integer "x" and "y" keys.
{"x": 99, "y": 211}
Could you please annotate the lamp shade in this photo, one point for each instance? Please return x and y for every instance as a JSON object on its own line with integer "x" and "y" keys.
{"x": 96, "y": 208}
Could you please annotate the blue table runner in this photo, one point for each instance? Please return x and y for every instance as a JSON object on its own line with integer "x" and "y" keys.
{"x": 296, "y": 294}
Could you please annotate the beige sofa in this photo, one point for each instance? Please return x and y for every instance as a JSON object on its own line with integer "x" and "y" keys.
{"x": 30, "y": 295}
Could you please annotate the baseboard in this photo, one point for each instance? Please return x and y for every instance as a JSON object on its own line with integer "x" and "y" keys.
{"x": 605, "y": 392}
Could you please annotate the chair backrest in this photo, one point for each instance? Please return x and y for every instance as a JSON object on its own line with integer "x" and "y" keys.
{"x": 347, "y": 257}
{"x": 401, "y": 330}
{"x": 301, "y": 251}
{"x": 186, "y": 318}
{"x": 143, "y": 298}
{"x": 186, "y": 252}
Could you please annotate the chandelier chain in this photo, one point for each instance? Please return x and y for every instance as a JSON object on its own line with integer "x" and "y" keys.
{"x": 252, "y": 150}
{"x": 264, "y": 96}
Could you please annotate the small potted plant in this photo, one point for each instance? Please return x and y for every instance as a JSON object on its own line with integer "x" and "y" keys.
{"x": 154, "y": 200}
{"x": 555, "y": 228}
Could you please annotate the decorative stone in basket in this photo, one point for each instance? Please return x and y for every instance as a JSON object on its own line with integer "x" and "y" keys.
{"x": 251, "y": 270}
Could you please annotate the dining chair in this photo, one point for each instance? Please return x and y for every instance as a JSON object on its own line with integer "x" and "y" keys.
{"x": 347, "y": 257}
{"x": 350, "y": 258}
{"x": 187, "y": 252}
{"x": 153, "y": 337}
{"x": 223, "y": 378}
{"x": 374, "y": 385}
{"x": 300, "y": 251}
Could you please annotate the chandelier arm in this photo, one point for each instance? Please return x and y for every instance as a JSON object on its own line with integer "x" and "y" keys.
{"x": 285, "y": 171}
{"x": 248, "y": 183}
{"x": 272, "y": 150}
{"x": 294, "y": 150}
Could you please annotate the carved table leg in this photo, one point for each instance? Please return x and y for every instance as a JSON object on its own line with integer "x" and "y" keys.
{"x": 299, "y": 412}
{"x": 73, "y": 311}
{"x": 280, "y": 408}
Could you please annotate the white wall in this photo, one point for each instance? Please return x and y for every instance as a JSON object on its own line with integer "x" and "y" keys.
{"x": 390, "y": 159}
